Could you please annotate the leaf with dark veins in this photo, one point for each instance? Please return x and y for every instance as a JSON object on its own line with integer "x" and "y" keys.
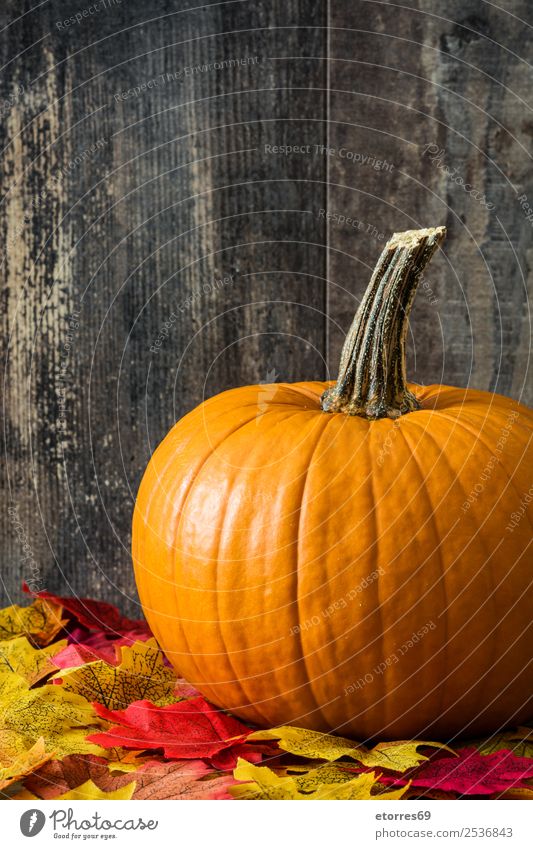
{"x": 141, "y": 674}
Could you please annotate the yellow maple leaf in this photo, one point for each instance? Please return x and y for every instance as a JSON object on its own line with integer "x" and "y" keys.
{"x": 141, "y": 674}
{"x": 19, "y": 656}
{"x": 520, "y": 741}
{"x": 128, "y": 760}
{"x": 517, "y": 793}
{"x": 89, "y": 790}
{"x": 24, "y": 763}
{"x": 397, "y": 756}
{"x": 326, "y": 783}
{"x": 41, "y": 621}
{"x": 62, "y": 719}
{"x": 360, "y": 787}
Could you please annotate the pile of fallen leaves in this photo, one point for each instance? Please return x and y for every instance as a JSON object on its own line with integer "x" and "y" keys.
{"x": 91, "y": 709}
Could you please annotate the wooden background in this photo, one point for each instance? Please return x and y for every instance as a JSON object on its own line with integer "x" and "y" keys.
{"x": 157, "y": 249}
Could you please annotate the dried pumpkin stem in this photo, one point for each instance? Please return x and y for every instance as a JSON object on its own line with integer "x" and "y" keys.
{"x": 372, "y": 381}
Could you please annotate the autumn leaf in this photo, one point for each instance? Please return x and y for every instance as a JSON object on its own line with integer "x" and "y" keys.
{"x": 153, "y": 779}
{"x": 104, "y": 642}
{"x": 141, "y": 674}
{"x": 325, "y": 783}
{"x": 397, "y": 756}
{"x": 89, "y": 790}
{"x": 129, "y": 759}
{"x": 186, "y": 729}
{"x": 78, "y": 654}
{"x": 517, "y": 793}
{"x": 180, "y": 780}
{"x": 472, "y": 773}
{"x": 184, "y": 690}
{"x": 98, "y": 645}
{"x": 62, "y": 719}
{"x": 520, "y": 741}
{"x": 41, "y": 621}
{"x": 20, "y": 657}
{"x": 162, "y": 740}
{"x": 59, "y": 776}
{"x": 428, "y": 793}
{"x": 24, "y": 763}
{"x": 23, "y": 795}
{"x": 92, "y": 614}
{"x": 360, "y": 788}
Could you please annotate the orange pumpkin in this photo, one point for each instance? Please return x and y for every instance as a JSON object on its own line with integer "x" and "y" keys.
{"x": 349, "y": 557}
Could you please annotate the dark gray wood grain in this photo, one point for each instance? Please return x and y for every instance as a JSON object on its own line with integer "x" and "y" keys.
{"x": 159, "y": 245}
{"x": 418, "y": 88}
{"x": 175, "y": 259}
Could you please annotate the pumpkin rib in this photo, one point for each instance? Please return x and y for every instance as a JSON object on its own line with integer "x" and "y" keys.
{"x": 302, "y": 501}
{"x": 489, "y": 557}
{"x": 274, "y": 412}
{"x": 467, "y": 658}
{"x": 379, "y": 608}
{"x": 245, "y": 649}
{"x": 298, "y": 658}
{"x": 296, "y": 510}
{"x": 162, "y": 473}
{"x": 350, "y": 629}
{"x": 509, "y": 477}
{"x": 455, "y": 476}
{"x": 301, "y": 389}
{"x": 285, "y": 417}
{"x": 431, "y": 519}
{"x": 286, "y": 665}
{"x": 251, "y": 703}
{"x": 420, "y": 567}
{"x": 479, "y": 437}
{"x": 508, "y": 649}
{"x": 176, "y": 566}
{"x": 495, "y": 627}
{"x": 147, "y": 594}
{"x": 488, "y": 552}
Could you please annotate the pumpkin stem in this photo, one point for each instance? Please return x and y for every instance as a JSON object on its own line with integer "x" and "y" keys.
{"x": 372, "y": 381}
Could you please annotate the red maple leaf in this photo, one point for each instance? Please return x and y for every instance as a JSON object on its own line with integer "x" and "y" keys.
{"x": 76, "y": 654}
{"x": 188, "y": 729}
{"x": 92, "y": 614}
{"x": 99, "y": 645}
{"x": 470, "y": 773}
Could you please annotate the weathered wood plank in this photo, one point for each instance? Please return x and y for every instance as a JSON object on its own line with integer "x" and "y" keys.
{"x": 415, "y": 88}
{"x": 170, "y": 255}
{"x": 156, "y": 250}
